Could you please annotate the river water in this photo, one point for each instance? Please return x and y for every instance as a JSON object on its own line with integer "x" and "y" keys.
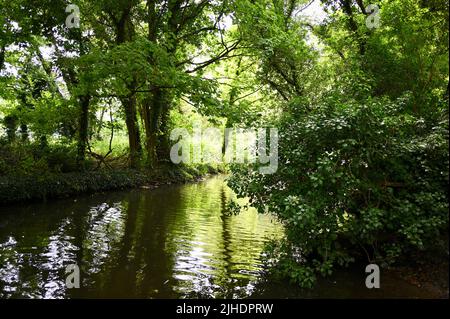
{"x": 171, "y": 242}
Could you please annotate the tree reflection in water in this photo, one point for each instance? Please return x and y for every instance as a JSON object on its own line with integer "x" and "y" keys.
{"x": 171, "y": 242}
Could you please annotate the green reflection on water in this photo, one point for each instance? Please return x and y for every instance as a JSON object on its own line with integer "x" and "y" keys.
{"x": 171, "y": 242}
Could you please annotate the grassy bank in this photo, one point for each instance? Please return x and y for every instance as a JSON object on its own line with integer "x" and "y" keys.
{"x": 20, "y": 188}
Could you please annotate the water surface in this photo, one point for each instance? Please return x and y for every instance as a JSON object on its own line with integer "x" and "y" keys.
{"x": 172, "y": 242}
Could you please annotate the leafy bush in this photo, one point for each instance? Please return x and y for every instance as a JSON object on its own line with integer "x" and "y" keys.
{"x": 355, "y": 180}
{"x": 36, "y": 159}
{"x": 42, "y": 186}
{"x": 21, "y": 188}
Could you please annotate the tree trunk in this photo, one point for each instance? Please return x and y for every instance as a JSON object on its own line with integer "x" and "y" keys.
{"x": 151, "y": 113}
{"x": 163, "y": 147}
{"x": 2, "y": 57}
{"x": 346, "y": 6}
{"x": 83, "y": 125}
{"x": 125, "y": 32}
{"x": 134, "y": 139}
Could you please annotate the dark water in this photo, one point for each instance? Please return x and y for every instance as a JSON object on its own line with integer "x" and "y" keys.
{"x": 172, "y": 242}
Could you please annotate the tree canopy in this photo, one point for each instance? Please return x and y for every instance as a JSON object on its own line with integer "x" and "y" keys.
{"x": 360, "y": 98}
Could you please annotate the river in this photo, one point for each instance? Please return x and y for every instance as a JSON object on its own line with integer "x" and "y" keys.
{"x": 176, "y": 241}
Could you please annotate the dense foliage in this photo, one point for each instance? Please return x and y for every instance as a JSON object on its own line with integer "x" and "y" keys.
{"x": 356, "y": 179}
{"x": 363, "y": 170}
{"x": 360, "y": 98}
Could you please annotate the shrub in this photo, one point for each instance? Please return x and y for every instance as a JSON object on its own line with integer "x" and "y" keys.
{"x": 355, "y": 180}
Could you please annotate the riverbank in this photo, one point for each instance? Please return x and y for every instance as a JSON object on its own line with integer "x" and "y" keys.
{"x": 431, "y": 278}
{"x": 427, "y": 271}
{"x": 14, "y": 189}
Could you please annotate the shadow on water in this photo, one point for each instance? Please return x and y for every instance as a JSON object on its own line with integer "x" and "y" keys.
{"x": 172, "y": 242}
